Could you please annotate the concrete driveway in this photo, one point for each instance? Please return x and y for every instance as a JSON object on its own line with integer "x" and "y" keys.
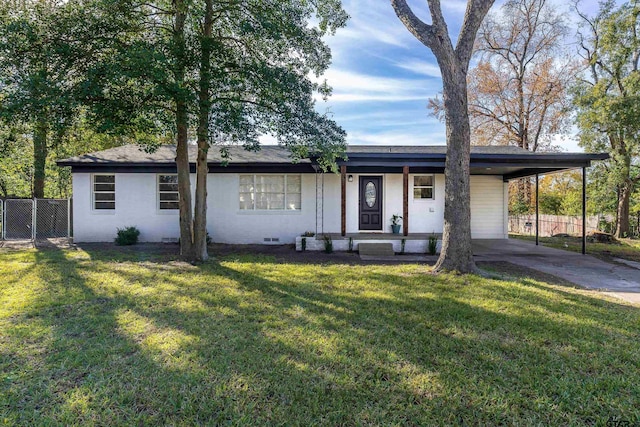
{"x": 583, "y": 270}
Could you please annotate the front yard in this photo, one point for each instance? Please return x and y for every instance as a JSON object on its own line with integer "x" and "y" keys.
{"x": 109, "y": 338}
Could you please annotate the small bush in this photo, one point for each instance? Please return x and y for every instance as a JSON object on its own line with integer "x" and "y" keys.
{"x": 308, "y": 234}
{"x": 328, "y": 244}
{"x": 303, "y": 244}
{"x": 350, "y": 244}
{"x": 402, "y": 243}
{"x": 127, "y": 236}
{"x": 433, "y": 245}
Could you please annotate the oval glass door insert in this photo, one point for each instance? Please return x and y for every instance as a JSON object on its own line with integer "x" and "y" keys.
{"x": 370, "y": 194}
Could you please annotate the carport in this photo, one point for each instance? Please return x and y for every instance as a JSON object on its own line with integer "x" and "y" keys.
{"x": 528, "y": 165}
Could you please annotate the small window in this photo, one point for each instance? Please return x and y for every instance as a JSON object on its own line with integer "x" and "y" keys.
{"x": 270, "y": 192}
{"x": 168, "y": 192}
{"x": 423, "y": 187}
{"x": 104, "y": 192}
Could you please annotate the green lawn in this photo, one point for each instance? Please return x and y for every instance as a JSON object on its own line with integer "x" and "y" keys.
{"x": 104, "y": 338}
{"x": 628, "y": 249}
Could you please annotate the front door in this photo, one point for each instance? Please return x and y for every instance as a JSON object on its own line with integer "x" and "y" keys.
{"x": 370, "y": 203}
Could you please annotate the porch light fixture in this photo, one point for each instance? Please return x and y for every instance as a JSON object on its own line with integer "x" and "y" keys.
{"x": 350, "y": 178}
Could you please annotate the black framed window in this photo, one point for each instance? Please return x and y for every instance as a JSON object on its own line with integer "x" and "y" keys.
{"x": 168, "y": 192}
{"x": 423, "y": 187}
{"x": 104, "y": 192}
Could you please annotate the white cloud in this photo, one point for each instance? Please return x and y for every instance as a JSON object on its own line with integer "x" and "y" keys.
{"x": 399, "y": 137}
{"x": 350, "y": 86}
{"x": 418, "y": 66}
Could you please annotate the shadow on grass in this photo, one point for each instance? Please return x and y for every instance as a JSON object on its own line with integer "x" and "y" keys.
{"x": 124, "y": 339}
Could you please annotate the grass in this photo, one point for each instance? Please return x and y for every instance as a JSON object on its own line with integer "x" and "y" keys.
{"x": 108, "y": 338}
{"x": 628, "y": 249}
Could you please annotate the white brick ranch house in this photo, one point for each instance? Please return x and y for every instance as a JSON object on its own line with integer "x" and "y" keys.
{"x": 262, "y": 197}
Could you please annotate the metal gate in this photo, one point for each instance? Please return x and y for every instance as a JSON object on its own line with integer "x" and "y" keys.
{"x": 35, "y": 219}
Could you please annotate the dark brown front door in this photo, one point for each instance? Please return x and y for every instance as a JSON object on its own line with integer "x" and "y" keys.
{"x": 370, "y": 203}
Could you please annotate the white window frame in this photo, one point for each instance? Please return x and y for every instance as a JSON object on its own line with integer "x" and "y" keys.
{"x": 158, "y": 192}
{"x": 285, "y": 209}
{"x": 94, "y": 192}
{"x": 432, "y": 187}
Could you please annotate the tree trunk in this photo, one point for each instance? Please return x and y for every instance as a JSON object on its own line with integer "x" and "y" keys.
{"x": 204, "y": 106}
{"x": 182, "y": 137}
{"x": 456, "y": 253}
{"x": 40, "y": 152}
{"x": 622, "y": 212}
{"x": 525, "y": 192}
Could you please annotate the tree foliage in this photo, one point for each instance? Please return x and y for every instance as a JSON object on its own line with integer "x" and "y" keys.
{"x": 608, "y": 99}
{"x": 219, "y": 73}
{"x": 518, "y": 88}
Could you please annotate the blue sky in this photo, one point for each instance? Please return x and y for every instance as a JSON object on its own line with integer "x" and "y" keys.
{"x": 382, "y": 76}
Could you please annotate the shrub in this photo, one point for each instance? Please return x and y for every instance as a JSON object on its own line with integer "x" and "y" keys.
{"x": 127, "y": 236}
{"x": 328, "y": 244}
{"x": 350, "y": 244}
{"x": 308, "y": 234}
{"x": 433, "y": 244}
{"x": 402, "y": 243}
{"x": 303, "y": 244}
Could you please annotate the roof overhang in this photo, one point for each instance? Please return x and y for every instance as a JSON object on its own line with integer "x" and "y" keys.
{"x": 509, "y": 166}
{"x": 105, "y": 167}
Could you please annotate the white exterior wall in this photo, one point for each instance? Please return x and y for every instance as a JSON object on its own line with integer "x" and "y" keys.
{"x": 137, "y": 205}
{"x": 488, "y": 207}
{"x": 331, "y": 211}
{"x": 427, "y": 216}
{"x": 228, "y": 224}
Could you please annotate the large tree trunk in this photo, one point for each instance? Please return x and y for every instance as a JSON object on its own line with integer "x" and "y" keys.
{"x": 456, "y": 253}
{"x": 40, "y": 151}
{"x": 622, "y": 212}
{"x": 204, "y": 106}
{"x": 182, "y": 137}
{"x": 184, "y": 182}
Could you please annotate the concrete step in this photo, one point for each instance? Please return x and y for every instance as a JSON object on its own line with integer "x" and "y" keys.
{"x": 377, "y": 249}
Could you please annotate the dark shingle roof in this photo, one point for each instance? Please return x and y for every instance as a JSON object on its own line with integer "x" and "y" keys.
{"x": 133, "y": 154}
{"x": 273, "y": 154}
{"x": 431, "y": 149}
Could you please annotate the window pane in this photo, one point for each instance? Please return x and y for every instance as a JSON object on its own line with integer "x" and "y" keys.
{"x": 168, "y": 187}
{"x": 424, "y": 180}
{"x": 109, "y": 197}
{"x": 293, "y": 201}
{"x": 246, "y": 183}
{"x": 269, "y": 201}
{"x": 270, "y": 184}
{"x": 104, "y": 187}
{"x": 166, "y": 197}
{"x": 168, "y": 179}
{"x": 423, "y": 193}
{"x": 104, "y": 178}
{"x": 293, "y": 184}
{"x": 169, "y": 205}
{"x": 246, "y": 201}
{"x": 105, "y": 205}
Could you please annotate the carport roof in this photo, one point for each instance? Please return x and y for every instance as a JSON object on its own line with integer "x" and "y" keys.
{"x": 509, "y": 162}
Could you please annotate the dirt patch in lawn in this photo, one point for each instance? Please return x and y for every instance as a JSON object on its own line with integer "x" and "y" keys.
{"x": 519, "y": 272}
{"x": 282, "y": 253}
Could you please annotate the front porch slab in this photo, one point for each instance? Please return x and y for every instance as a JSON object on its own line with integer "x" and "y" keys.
{"x": 416, "y": 243}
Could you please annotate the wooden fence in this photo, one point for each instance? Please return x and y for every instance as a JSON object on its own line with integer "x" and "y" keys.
{"x": 552, "y": 224}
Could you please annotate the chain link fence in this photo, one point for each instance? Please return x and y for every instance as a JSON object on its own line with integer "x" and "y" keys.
{"x": 35, "y": 219}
